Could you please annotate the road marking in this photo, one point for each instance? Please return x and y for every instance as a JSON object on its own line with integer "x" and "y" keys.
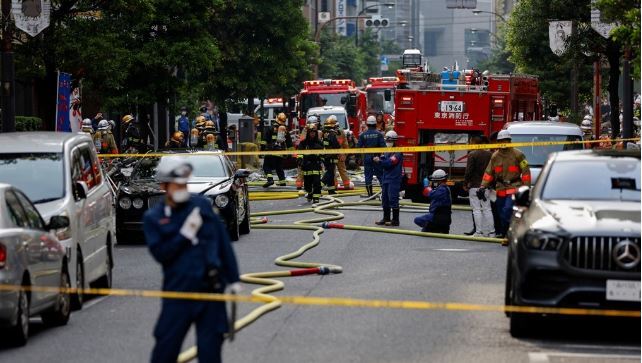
{"x": 451, "y": 249}
{"x": 95, "y": 301}
{"x": 541, "y": 357}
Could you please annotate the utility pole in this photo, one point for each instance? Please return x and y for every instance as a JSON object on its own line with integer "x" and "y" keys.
{"x": 627, "y": 97}
{"x": 8, "y": 71}
{"x": 574, "y": 99}
{"x": 597, "y": 97}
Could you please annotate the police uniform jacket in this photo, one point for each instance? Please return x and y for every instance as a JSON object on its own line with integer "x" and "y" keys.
{"x": 440, "y": 205}
{"x": 185, "y": 266}
{"x": 368, "y": 139}
{"x": 392, "y": 164}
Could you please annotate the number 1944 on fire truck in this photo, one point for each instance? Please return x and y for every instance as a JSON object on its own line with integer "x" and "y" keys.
{"x": 450, "y": 107}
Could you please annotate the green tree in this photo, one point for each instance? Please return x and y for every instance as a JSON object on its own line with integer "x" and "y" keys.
{"x": 371, "y": 51}
{"x": 499, "y": 62}
{"x": 625, "y": 13}
{"x": 340, "y": 58}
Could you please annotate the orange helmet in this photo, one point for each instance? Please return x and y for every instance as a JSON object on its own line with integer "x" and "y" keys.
{"x": 178, "y": 136}
{"x": 209, "y": 124}
{"x": 280, "y": 118}
{"x": 200, "y": 121}
{"x": 194, "y": 132}
{"x": 210, "y": 138}
{"x": 127, "y": 119}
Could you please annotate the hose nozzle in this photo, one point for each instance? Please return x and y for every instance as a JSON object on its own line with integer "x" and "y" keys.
{"x": 326, "y": 270}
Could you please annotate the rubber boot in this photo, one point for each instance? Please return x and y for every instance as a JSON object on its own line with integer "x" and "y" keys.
{"x": 309, "y": 197}
{"x": 369, "y": 190}
{"x": 270, "y": 182}
{"x": 281, "y": 183}
{"x": 386, "y": 217}
{"x": 395, "y": 218}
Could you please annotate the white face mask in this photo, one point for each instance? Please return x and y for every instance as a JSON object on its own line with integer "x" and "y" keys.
{"x": 184, "y": 113}
{"x": 180, "y": 196}
{"x": 194, "y": 140}
{"x": 390, "y": 144}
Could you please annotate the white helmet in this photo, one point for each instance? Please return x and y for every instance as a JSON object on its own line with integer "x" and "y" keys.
{"x": 371, "y": 121}
{"x": 86, "y": 123}
{"x": 312, "y": 119}
{"x": 586, "y": 125}
{"x": 588, "y": 117}
{"x": 438, "y": 175}
{"x": 391, "y": 136}
{"x": 174, "y": 170}
{"x": 103, "y": 125}
{"x": 112, "y": 123}
{"x": 503, "y": 135}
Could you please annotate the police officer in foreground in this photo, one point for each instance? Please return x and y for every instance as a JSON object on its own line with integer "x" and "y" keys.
{"x": 507, "y": 171}
{"x": 438, "y": 218}
{"x": 277, "y": 138}
{"x": 391, "y": 182}
{"x": 188, "y": 239}
{"x": 368, "y": 139}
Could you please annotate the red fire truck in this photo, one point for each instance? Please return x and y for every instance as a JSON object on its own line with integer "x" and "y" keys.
{"x": 380, "y": 95}
{"x": 449, "y": 108}
{"x": 333, "y": 92}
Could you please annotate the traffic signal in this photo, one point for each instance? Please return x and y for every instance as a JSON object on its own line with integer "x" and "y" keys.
{"x": 377, "y": 22}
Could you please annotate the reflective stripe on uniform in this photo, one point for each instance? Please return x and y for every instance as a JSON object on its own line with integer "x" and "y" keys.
{"x": 523, "y": 164}
{"x": 513, "y": 169}
{"x": 488, "y": 177}
{"x": 499, "y": 169}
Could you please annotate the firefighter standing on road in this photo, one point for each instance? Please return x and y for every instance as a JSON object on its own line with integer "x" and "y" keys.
{"x": 312, "y": 119}
{"x": 391, "y": 182}
{"x": 341, "y": 160}
{"x": 330, "y": 141}
{"x": 276, "y": 138}
{"x": 104, "y": 139}
{"x": 311, "y": 164}
{"x": 507, "y": 170}
{"x": 188, "y": 239}
{"x": 368, "y": 139}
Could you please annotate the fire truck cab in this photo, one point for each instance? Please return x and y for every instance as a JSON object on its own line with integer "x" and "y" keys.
{"x": 380, "y": 93}
{"x": 450, "y": 107}
{"x": 333, "y": 92}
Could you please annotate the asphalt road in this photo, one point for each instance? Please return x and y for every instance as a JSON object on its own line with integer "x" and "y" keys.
{"x": 376, "y": 266}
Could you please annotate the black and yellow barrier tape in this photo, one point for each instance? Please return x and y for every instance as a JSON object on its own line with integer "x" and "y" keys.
{"x": 333, "y": 301}
{"x": 402, "y": 149}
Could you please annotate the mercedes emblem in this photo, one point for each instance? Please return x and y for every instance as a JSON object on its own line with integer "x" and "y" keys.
{"x": 626, "y": 254}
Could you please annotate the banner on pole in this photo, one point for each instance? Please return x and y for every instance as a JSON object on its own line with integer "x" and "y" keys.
{"x": 341, "y": 11}
{"x": 63, "y": 113}
{"x": 75, "y": 111}
{"x": 558, "y": 32}
{"x": 31, "y": 16}
{"x": 604, "y": 29}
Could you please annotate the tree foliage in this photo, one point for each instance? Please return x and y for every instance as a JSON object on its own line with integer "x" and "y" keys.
{"x": 499, "y": 62}
{"x": 342, "y": 58}
{"x": 625, "y": 13}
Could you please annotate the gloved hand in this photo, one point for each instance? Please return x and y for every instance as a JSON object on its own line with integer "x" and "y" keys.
{"x": 481, "y": 194}
{"x": 376, "y": 159}
{"x": 235, "y": 288}
{"x": 192, "y": 225}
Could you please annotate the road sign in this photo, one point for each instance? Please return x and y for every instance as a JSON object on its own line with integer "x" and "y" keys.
{"x": 31, "y": 16}
{"x": 384, "y": 60}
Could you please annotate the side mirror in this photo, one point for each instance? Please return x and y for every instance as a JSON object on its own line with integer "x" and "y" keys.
{"x": 523, "y": 197}
{"x": 81, "y": 190}
{"x": 58, "y": 222}
{"x": 242, "y": 174}
{"x": 344, "y": 100}
{"x": 387, "y": 95}
{"x": 351, "y": 107}
{"x": 292, "y": 104}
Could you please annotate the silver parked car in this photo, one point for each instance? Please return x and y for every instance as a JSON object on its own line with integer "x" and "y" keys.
{"x": 30, "y": 256}
{"x": 60, "y": 172}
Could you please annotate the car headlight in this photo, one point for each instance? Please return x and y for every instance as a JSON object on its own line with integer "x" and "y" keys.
{"x": 221, "y": 200}
{"x": 543, "y": 241}
{"x": 125, "y": 203}
{"x": 138, "y": 203}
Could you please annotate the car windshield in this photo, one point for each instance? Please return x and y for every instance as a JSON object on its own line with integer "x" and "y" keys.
{"x": 205, "y": 166}
{"x": 323, "y": 99}
{"x": 616, "y": 179}
{"x": 378, "y": 103}
{"x": 537, "y": 155}
{"x": 341, "y": 119}
{"x": 25, "y": 171}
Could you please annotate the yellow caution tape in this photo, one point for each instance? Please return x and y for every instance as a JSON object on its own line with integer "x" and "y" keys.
{"x": 333, "y": 301}
{"x": 401, "y": 149}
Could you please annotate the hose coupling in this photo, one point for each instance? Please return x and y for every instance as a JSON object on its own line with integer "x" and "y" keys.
{"x": 326, "y": 270}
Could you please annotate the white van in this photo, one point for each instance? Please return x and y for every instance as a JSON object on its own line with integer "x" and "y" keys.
{"x": 541, "y": 131}
{"x": 325, "y": 111}
{"x": 61, "y": 174}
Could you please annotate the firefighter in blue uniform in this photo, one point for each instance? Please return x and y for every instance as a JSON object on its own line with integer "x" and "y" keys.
{"x": 368, "y": 139}
{"x": 438, "y": 218}
{"x": 187, "y": 238}
{"x": 392, "y": 164}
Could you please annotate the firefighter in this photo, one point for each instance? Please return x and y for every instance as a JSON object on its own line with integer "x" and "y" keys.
{"x": 133, "y": 140}
{"x": 104, "y": 139}
{"x": 391, "y": 181}
{"x": 341, "y": 160}
{"x": 587, "y": 131}
{"x": 208, "y": 129}
{"x": 210, "y": 142}
{"x": 87, "y": 127}
{"x": 199, "y": 126}
{"x": 330, "y": 141}
{"x": 353, "y": 160}
{"x": 438, "y": 218}
{"x": 188, "y": 239}
{"x": 276, "y": 138}
{"x": 381, "y": 123}
{"x": 507, "y": 170}
{"x": 368, "y": 139}
{"x": 312, "y": 119}
{"x": 176, "y": 141}
{"x": 311, "y": 164}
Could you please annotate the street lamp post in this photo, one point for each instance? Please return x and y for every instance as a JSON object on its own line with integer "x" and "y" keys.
{"x": 477, "y": 12}
{"x": 388, "y": 5}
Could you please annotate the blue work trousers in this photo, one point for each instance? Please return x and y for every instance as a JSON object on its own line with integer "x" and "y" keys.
{"x": 390, "y": 195}
{"x": 371, "y": 169}
{"x": 505, "y": 210}
{"x": 173, "y": 324}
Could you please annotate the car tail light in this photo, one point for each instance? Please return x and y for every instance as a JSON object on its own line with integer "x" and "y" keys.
{"x": 3, "y": 255}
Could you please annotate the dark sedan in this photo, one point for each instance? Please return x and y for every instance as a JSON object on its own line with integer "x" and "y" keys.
{"x": 214, "y": 176}
{"x": 575, "y": 236}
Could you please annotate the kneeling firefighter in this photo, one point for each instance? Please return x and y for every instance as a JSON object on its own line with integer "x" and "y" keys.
{"x": 330, "y": 141}
{"x": 391, "y": 181}
{"x": 438, "y": 218}
{"x": 277, "y": 138}
{"x": 311, "y": 164}
{"x": 188, "y": 239}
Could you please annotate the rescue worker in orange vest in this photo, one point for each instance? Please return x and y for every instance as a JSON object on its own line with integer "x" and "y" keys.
{"x": 341, "y": 163}
{"x": 507, "y": 171}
